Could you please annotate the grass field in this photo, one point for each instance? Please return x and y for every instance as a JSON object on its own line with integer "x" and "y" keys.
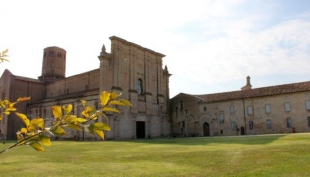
{"x": 266, "y": 155}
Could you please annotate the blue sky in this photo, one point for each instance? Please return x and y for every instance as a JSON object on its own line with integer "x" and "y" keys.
{"x": 210, "y": 46}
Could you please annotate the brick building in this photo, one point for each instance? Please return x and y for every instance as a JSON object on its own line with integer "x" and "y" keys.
{"x": 131, "y": 69}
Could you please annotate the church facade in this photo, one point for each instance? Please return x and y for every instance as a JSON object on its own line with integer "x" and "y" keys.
{"x": 265, "y": 110}
{"x": 130, "y": 69}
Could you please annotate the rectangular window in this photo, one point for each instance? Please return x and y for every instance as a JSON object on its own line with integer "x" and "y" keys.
{"x": 287, "y": 107}
{"x": 221, "y": 118}
{"x": 288, "y": 122}
{"x": 204, "y": 108}
{"x": 309, "y": 121}
{"x": 268, "y": 109}
{"x": 308, "y": 105}
{"x": 233, "y": 126}
{"x": 232, "y": 109}
{"x": 269, "y": 124}
{"x": 251, "y": 125}
{"x": 250, "y": 110}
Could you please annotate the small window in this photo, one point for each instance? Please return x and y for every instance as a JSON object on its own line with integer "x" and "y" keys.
{"x": 308, "y": 105}
{"x": 269, "y": 124}
{"x": 221, "y": 118}
{"x": 251, "y": 125}
{"x": 250, "y": 110}
{"x": 232, "y": 109}
{"x": 204, "y": 108}
{"x": 233, "y": 125}
{"x": 309, "y": 121}
{"x": 181, "y": 105}
{"x": 176, "y": 111}
{"x": 139, "y": 86}
{"x": 287, "y": 107}
{"x": 288, "y": 122}
{"x": 268, "y": 109}
{"x": 221, "y": 132}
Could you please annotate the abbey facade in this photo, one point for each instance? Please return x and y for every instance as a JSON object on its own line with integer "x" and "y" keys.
{"x": 130, "y": 69}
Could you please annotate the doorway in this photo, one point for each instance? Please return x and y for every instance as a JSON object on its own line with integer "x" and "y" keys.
{"x": 140, "y": 129}
{"x": 206, "y": 129}
{"x": 242, "y": 131}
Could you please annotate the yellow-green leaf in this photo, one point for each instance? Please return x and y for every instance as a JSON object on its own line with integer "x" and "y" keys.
{"x": 24, "y": 118}
{"x": 68, "y": 118}
{"x": 109, "y": 109}
{"x": 100, "y": 133}
{"x": 24, "y": 130}
{"x": 91, "y": 129}
{"x": 115, "y": 95}
{"x": 84, "y": 103}
{"x": 38, "y": 123}
{"x": 45, "y": 140}
{"x": 57, "y": 130}
{"x": 57, "y": 111}
{"x": 37, "y": 146}
{"x": 79, "y": 120}
{"x": 105, "y": 116}
{"x": 11, "y": 109}
{"x": 74, "y": 126}
{"x": 121, "y": 102}
{"x": 126, "y": 102}
{"x": 88, "y": 111}
{"x": 102, "y": 126}
{"x": 67, "y": 109}
{"x": 1, "y": 116}
{"x": 104, "y": 98}
{"x": 20, "y": 99}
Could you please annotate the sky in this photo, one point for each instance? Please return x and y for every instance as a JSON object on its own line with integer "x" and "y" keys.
{"x": 211, "y": 46}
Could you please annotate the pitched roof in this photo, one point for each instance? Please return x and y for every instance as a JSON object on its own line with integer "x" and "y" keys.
{"x": 258, "y": 92}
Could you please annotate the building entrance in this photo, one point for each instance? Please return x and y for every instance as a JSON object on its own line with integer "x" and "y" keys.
{"x": 242, "y": 131}
{"x": 140, "y": 129}
{"x": 206, "y": 129}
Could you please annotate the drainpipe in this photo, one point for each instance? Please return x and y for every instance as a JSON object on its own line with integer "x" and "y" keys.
{"x": 244, "y": 117}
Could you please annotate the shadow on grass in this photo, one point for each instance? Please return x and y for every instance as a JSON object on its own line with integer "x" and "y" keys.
{"x": 246, "y": 140}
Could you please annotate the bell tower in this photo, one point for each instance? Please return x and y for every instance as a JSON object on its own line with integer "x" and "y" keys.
{"x": 53, "y": 65}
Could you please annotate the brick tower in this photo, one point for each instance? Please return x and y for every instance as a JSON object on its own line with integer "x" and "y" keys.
{"x": 54, "y": 64}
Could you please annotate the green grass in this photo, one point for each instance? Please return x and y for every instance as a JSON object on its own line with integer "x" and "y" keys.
{"x": 267, "y": 155}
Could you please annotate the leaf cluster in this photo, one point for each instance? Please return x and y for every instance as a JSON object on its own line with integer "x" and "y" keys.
{"x": 3, "y": 55}
{"x": 35, "y": 134}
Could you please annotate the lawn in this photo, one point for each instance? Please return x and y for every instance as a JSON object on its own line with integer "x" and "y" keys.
{"x": 265, "y": 155}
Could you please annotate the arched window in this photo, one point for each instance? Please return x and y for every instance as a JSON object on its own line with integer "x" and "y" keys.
{"x": 139, "y": 86}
